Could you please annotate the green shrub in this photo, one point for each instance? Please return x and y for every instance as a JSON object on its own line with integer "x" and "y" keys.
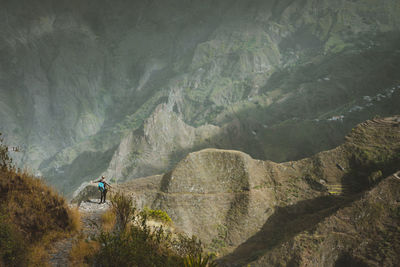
{"x": 199, "y": 261}
{"x": 138, "y": 244}
{"x": 158, "y": 215}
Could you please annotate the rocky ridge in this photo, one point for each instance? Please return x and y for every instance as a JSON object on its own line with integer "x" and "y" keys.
{"x": 260, "y": 212}
{"x": 79, "y": 80}
{"x": 363, "y": 232}
{"x": 164, "y": 139}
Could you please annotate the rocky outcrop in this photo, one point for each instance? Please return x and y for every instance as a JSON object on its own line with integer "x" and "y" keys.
{"x": 216, "y": 188}
{"x": 85, "y": 192}
{"x": 165, "y": 139}
{"x": 359, "y": 233}
{"x": 263, "y": 212}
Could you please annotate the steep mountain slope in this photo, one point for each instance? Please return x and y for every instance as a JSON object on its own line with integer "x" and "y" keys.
{"x": 267, "y": 213}
{"x": 80, "y": 81}
{"x": 32, "y": 217}
{"x": 362, "y": 233}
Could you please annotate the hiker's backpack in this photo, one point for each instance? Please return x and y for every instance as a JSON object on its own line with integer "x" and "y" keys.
{"x": 101, "y": 186}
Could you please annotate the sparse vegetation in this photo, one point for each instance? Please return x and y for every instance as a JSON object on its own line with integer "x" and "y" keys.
{"x": 108, "y": 220}
{"x": 33, "y": 216}
{"x": 83, "y": 253}
{"x": 135, "y": 243}
{"x": 220, "y": 241}
{"x": 123, "y": 209}
{"x": 373, "y": 154}
{"x": 5, "y": 160}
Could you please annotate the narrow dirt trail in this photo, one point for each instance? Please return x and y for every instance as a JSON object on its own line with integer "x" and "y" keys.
{"x": 91, "y": 212}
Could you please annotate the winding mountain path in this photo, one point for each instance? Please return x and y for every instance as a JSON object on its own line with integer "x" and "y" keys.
{"x": 90, "y": 212}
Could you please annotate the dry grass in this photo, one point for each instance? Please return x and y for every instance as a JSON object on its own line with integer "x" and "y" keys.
{"x": 38, "y": 256}
{"x": 34, "y": 207}
{"x": 36, "y": 213}
{"x": 75, "y": 217}
{"x": 83, "y": 253}
{"x": 108, "y": 220}
{"x": 135, "y": 243}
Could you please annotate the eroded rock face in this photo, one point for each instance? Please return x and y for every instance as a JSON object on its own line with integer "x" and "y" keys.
{"x": 165, "y": 140}
{"x": 213, "y": 186}
{"x": 221, "y": 196}
{"x": 210, "y": 171}
{"x": 347, "y": 234}
{"x": 248, "y": 207}
{"x": 82, "y": 87}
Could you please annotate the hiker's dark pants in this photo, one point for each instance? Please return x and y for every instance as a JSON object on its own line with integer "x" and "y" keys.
{"x": 103, "y": 196}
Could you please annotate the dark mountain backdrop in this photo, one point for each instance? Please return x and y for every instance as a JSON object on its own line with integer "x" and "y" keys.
{"x": 128, "y": 88}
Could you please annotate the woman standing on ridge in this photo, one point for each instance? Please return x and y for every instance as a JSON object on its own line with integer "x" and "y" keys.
{"x": 103, "y": 187}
